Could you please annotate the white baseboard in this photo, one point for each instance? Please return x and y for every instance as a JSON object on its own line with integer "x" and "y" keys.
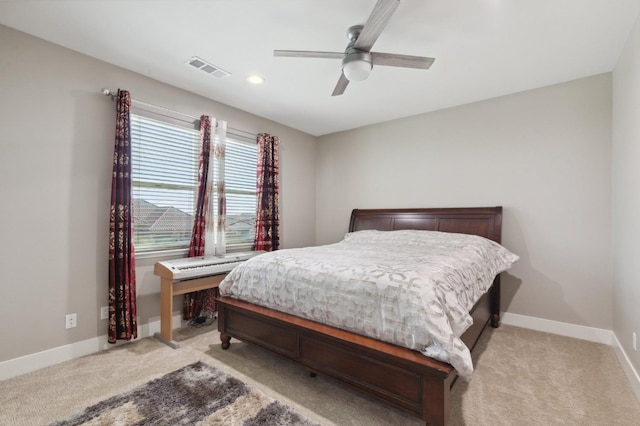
{"x": 629, "y": 370}
{"x": 591, "y": 334}
{"x": 28, "y": 363}
{"x": 582, "y": 332}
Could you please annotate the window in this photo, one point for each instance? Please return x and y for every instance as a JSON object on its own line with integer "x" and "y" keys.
{"x": 165, "y": 161}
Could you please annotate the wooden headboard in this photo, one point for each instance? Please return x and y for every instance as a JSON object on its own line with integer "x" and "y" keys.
{"x": 483, "y": 221}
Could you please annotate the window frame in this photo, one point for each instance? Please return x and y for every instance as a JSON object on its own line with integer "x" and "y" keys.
{"x": 232, "y": 136}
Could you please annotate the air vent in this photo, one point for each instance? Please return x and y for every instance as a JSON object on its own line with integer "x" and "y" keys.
{"x": 205, "y": 66}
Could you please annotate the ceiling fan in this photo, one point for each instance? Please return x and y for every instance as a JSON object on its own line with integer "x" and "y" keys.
{"x": 357, "y": 59}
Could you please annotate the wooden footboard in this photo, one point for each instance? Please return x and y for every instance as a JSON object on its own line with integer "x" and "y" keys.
{"x": 398, "y": 376}
{"x": 403, "y": 378}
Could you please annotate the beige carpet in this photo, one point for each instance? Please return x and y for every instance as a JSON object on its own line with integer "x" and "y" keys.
{"x": 522, "y": 377}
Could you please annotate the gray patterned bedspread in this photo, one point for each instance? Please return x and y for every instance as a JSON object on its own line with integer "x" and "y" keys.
{"x": 409, "y": 288}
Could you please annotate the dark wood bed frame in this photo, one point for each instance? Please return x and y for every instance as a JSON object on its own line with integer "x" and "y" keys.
{"x": 398, "y": 376}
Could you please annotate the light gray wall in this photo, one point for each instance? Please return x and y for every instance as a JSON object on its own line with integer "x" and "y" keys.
{"x": 56, "y": 146}
{"x": 626, "y": 195}
{"x": 544, "y": 155}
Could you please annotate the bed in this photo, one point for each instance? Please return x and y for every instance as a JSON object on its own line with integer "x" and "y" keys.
{"x": 401, "y": 377}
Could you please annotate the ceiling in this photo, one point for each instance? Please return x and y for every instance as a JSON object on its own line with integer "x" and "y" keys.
{"x": 483, "y": 49}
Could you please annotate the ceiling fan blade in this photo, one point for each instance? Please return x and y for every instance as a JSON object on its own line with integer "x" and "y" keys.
{"x": 405, "y": 61}
{"x": 382, "y": 12}
{"x": 308, "y": 54}
{"x": 341, "y": 86}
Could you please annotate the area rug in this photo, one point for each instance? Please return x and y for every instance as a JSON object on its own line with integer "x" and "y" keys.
{"x": 197, "y": 394}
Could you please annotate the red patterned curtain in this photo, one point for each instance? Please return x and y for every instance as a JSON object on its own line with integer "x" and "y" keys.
{"x": 122, "y": 271}
{"x": 196, "y": 302}
{"x": 267, "y": 215}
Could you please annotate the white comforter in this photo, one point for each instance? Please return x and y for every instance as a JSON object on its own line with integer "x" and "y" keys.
{"x": 410, "y": 288}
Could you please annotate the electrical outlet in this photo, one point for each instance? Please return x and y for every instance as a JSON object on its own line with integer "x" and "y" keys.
{"x": 635, "y": 342}
{"x": 104, "y": 312}
{"x": 71, "y": 321}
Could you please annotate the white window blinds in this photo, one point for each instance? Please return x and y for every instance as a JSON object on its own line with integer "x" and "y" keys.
{"x": 240, "y": 184}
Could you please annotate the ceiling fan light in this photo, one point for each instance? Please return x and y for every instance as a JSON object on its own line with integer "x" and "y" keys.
{"x": 357, "y": 69}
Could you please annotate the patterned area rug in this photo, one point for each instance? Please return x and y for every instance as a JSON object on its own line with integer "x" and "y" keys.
{"x": 195, "y": 394}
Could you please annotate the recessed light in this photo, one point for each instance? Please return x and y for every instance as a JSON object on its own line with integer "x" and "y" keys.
{"x": 255, "y": 79}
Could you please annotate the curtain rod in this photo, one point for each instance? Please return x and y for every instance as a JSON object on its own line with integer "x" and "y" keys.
{"x": 114, "y": 95}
